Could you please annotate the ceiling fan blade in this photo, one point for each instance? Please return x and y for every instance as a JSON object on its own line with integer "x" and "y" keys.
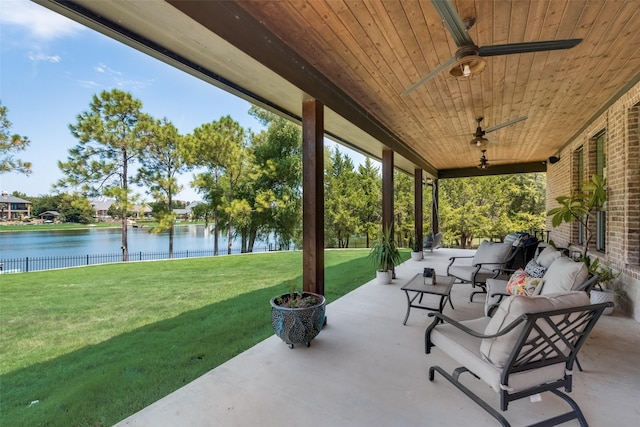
{"x": 505, "y": 124}
{"x": 508, "y": 49}
{"x": 452, "y": 21}
{"x": 429, "y": 76}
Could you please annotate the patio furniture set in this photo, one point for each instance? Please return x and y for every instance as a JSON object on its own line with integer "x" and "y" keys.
{"x": 536, "y": 320}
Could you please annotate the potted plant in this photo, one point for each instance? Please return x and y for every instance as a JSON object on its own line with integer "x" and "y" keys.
{"x": 581, "y": 207}
{"x": 604, "y": 291}
{"x": 384, "y": 255}
{"x": 416, "y": 251}
{"x": 297, "y": 317}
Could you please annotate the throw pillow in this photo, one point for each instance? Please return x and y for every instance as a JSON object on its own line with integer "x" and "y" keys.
{"x": 521, "y": 283}
{"x": 547, "y": 256}
{"x": 534, "y": 269}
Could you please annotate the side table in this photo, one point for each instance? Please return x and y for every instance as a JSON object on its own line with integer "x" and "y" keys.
{"x": 421, "y": 285}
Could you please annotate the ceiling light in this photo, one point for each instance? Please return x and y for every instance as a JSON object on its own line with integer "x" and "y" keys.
{"x": 468, "y": 66}
{"x": 479, "y": 141}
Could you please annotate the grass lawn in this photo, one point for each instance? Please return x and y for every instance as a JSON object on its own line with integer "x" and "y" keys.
{"x": 90, "y": 346}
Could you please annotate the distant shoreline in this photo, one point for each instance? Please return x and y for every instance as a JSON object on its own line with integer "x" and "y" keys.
{"x": 9, "y": 228}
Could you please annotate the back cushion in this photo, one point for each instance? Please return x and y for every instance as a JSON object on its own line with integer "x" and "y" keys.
{"x": 491, "y": 252}
{"x": 547, "y": 256}
{"x": 564, "y": 275}
{"x": 497, "y": 350}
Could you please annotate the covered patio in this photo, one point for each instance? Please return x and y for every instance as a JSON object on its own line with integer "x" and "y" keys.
{"x": 436, "y": 89}
{"x": 367, "y": 369}
{"x": 401, "y": 82}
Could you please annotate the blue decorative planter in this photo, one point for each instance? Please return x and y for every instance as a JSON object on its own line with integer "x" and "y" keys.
{"x": 298, "y": 325}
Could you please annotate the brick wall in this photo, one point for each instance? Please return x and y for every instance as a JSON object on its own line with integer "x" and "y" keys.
{"x": 621, "y": 123}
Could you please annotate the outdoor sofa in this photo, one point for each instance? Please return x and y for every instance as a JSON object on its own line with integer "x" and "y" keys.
{"x": 550, "y": 272}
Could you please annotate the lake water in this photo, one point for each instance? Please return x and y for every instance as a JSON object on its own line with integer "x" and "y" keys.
{"x": 92, "y": 241}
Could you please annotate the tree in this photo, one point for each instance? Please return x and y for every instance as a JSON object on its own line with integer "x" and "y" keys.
{"x": 277, "y": 188}
{"x": 71, "y": 207}
{"x": 161, "y": 164}
{"x": 343, "y": 198}
{"x": 10, "y": 145}
{"x": 369, "y": 213}
{"x": 111, "y": 134}
{"x": 403, "y": 207}
{"x": 491, "y": 206}
{"x": 75, "y": 208}
{"x": 463, "y": 213}
{"x": 220, "y": 147}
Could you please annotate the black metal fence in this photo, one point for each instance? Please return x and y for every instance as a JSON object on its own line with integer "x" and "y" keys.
{"x": 23, "y": 265}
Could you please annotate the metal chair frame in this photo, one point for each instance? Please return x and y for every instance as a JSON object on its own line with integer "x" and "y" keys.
{"x": 535, "y": 348}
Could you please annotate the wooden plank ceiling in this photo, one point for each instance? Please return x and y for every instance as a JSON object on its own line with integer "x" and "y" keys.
{"x": 358, "y": 57}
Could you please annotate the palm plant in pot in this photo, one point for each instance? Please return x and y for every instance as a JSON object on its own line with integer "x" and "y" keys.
{"x": 297, "y": 317}
{"x": 384, "y": 255}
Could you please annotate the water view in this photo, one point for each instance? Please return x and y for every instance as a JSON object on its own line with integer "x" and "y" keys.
{"x": 98, "y": 241}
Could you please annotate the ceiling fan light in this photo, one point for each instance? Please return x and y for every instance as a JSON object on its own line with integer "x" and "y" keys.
{"x": 468, "y": 66}
{"x": 479, "y": 142}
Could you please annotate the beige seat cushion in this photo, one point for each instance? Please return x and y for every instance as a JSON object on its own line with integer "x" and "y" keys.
{"x": 466, "y": 272}
{"x": 497, "y": 350}
{"x": 564, "y": 275}
{"x": 465, "y": 349}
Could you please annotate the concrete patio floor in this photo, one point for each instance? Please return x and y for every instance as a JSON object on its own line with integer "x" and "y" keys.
{"x": 367, "y": 369}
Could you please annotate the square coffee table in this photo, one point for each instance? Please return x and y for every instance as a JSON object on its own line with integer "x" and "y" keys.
{"x": 423, "y": 285}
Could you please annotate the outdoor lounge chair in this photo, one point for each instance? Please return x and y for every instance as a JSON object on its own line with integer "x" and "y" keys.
{"x": 432, "y": 241}
{"x": 528, "y": 347}
{"x": 489, "y": 258}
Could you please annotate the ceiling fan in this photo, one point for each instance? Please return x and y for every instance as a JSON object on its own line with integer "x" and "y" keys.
{"x": 480, "y": 141}
{"x": 468, "y": 59}
{"x": 484, "y": 163}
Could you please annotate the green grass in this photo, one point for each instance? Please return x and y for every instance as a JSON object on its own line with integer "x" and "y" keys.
{"x": 95, "y": 344}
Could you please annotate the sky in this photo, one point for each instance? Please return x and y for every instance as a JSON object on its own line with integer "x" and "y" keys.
{"x": 50, "y": 68}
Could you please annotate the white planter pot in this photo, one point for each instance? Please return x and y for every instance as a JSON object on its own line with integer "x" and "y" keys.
{"x": 416, "y": 256}
{"x": 604, "y": 295}
{"x": 383, "y": 277}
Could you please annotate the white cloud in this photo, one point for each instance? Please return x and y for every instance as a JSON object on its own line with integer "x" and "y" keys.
{"x": 43, "y": 57}
{"x": 40, "y": 22}
{"x": 102, "y": 68}
{"x": 112, "y": 77}
{"x": 135, "y": 85}
{"x": 89, "y": 84}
